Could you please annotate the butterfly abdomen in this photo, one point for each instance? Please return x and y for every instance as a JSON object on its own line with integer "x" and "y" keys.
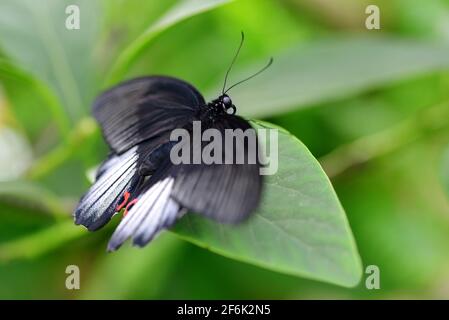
{"x": 155, "y": 159}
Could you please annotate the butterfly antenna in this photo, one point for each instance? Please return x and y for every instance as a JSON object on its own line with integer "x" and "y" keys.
{"x": 252, "y": 76}
{"x": 232, "y": 62}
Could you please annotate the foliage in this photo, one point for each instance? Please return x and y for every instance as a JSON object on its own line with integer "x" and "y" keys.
{"x": 372, "y": 106}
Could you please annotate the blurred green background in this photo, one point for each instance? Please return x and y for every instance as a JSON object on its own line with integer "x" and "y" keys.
{"x": 371, "y": 105}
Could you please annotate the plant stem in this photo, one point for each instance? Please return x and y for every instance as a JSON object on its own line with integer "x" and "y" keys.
{"x": 40, "y": 242}
{"x": 58, "y": 156}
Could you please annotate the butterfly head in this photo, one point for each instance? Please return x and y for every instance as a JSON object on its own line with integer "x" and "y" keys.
{"x": 226, "y": 103}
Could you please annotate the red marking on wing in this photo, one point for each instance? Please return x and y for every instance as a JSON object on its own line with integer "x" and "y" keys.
{"x": 126, "y": 196}
{"x": 128, "y": 206}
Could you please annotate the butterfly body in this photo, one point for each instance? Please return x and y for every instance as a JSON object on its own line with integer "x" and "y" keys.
{"x": 216, "y": 109}
{"x": 137, "y": 118}
{"x": 155, "y": 159}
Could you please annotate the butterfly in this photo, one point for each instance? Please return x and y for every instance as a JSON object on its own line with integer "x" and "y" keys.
{"x": 137, "y": 118}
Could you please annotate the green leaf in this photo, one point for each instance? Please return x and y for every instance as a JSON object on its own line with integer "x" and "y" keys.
{"x": 34, "y": 36}
{"x": 445, "y": 170}
{"x": 181, "y": 11}
{"x": 49, "y": 162}
{"x": 334, "y": 68}
{"x": 10, "y": 73}
{"x": 155, "y": 262}
{"x": 300, "y": 229}
{"x": 32, "y": 194}
{"x": 40, "y": 242}
{"x": 397, "y": 212}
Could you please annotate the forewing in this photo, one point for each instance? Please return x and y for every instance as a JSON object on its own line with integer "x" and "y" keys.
{"x": 143, "y": 108}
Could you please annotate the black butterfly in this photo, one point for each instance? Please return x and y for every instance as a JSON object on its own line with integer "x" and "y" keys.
{"x": 137, "y": 118}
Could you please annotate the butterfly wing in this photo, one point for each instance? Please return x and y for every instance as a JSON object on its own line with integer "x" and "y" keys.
{"x": 224, "y": 192}
{"x": 227, "y": 193}
{"x": 136, "y": 117}
{"x": 117, "y": 174}
{"x": 98, "y": 205}
{"x": 155, "y": 210}
{"x": 143, "y": 108}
